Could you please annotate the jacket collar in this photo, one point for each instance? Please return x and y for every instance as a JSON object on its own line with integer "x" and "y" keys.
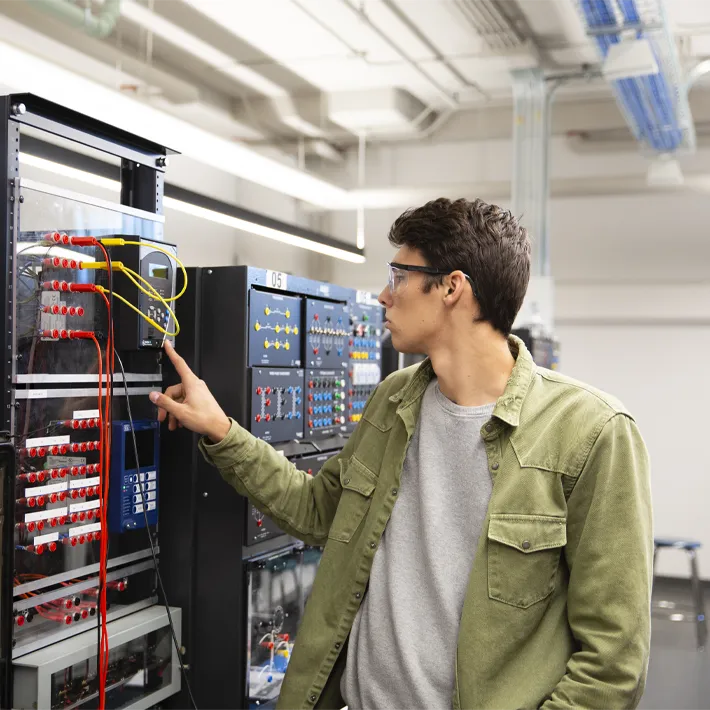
{"x": 509, "y": 404}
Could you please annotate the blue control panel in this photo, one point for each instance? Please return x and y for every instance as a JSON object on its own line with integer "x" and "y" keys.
{"x": 134, "y": 485}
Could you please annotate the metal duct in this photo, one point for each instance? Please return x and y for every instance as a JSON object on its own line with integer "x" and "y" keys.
{"x": 655, "y": 106}
{"x": 100, "y": 25}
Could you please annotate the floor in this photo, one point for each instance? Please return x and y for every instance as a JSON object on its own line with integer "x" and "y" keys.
{"x": 679, "y": 675}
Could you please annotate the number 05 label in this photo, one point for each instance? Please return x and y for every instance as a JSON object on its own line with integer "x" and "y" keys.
{"x": 276, "y": 279}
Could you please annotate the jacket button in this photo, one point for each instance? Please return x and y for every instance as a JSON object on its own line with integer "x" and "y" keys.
{"x": 312, "y": 698}
{"x": 373, "y": 545}
{"x": 346, "y": 481}
{"x": 495, "y": 466}
{"x": 526, "y": 544}
{"x": 357, "y": 595}
{"x": 394, "y": 491}
{"x": 489, "y": 427}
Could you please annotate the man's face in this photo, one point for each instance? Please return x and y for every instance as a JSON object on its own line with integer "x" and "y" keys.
{"x": 411, "y": 315}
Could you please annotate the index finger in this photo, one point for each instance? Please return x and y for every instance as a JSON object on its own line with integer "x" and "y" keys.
{"x": 178, "y": 363}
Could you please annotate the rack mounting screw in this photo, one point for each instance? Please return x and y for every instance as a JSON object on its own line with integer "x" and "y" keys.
{"x": 161, "y": 161}
{"x": 18, "y": 109}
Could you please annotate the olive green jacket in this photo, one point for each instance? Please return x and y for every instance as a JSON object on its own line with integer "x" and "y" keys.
{"x": 557, "y": 610}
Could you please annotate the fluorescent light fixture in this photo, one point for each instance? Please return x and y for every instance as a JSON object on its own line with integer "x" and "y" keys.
{"x": 66, "y": 171}
{"x": 260, "y": 230}
{"x": 24, "y": 72}
{"x": 177, "y": 36}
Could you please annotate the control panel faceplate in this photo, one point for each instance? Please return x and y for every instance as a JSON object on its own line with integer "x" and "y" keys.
{"x": 274, "y": 329}
{"x": 276, "y": 404}
{"x": 326, "y": 402}
{"x": 327, "y": 337}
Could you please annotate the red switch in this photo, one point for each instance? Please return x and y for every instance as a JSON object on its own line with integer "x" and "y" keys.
{"x": 268, "y": 417}
{"x": 52, "y": 497}
{"x": 310, "y": 424}
{"x": 39, "y": 549}
{"x": 310, "y": 397}
{"x": 52, "y": 546}
{"x": 20, "y": 620}
{"x": 259, "y": 390}
{"x": 268, "y": 390}
{"x": 258, "y": 417}
{"x": 310, "y": 410}
{"x": 267, "y": 402}
{"x": 315, "y": 351}
{"x": 310, "y": 384}
{"x": 316, "y": 317}
{"x": 259, "y": 523}
{"x": 40, "y": 525}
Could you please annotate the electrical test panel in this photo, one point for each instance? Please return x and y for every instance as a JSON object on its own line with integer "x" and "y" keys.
{"x": 301, "y": 400}
{"x": 87, "y": 286}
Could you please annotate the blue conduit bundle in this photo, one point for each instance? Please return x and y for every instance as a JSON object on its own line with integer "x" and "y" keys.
{"x": 648, "y": 100}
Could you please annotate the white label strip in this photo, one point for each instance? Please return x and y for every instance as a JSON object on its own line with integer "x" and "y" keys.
{"x": 47, "y": 441}
{"x": 37, "y": 394}
{"x": 86, "y": 414}
{"x": 62, "y": 461}
{"x": 49, "y": 537}
{"x": 84, "y": 529}
{"x": 79, "y": 507}
{"x": 276, "y": 279}
{"x": 149, "y": 475}
{"x": 45, "y": 514}
{"x": 45, "y": 490}
{"x": 85, "y": 482}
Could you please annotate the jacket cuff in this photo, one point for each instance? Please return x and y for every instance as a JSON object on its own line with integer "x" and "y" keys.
{"x": 230, "y": 451}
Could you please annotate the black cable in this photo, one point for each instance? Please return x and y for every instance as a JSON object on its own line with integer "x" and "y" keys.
{"x": 150, "y": 537}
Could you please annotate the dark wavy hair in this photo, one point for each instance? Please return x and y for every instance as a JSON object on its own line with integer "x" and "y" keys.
{"x": 484, "y": 241}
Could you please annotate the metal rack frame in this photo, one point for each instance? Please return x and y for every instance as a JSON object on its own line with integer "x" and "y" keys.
{"x": 143, "y": 163}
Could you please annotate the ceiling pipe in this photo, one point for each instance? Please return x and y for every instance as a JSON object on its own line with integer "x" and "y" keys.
{"x": 101, "y": 25}
{"x": 414, "y": 29}
{"x": 450, "y": 100}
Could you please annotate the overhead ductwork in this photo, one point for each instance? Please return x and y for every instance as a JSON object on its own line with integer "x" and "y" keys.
{"x": 377, "y": 111}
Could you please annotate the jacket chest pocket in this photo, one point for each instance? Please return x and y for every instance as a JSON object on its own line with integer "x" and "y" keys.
{"x": 358, "y": 484}
{"x": 523, "y": 557}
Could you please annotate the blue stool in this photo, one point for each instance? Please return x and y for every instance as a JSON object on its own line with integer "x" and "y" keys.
{"x": 690, "y": 546}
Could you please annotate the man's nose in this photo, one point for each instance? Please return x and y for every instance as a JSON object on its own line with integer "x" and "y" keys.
{"x": 385, "y": 297}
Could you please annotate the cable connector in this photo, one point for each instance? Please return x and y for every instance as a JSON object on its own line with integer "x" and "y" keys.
{"x": 83, "y": 241}
{"x": 115, "y": 265}
{"x": 57, "y": 262}
{"x": 67, "y": 334}
{"x": 67, "y": 286}
{"x": 113, "y": 242}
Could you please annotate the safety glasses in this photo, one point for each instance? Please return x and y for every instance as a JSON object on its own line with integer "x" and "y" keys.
{"x": 398, "y": 277}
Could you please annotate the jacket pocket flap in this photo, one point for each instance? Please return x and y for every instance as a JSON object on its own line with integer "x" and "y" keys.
{"x": 528, "y": 533}
{"x": 355, "y": 476}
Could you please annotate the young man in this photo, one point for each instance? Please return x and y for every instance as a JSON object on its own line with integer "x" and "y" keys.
{"x": 487, "y": 527}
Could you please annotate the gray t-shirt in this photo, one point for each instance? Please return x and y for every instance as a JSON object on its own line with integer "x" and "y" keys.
{"x": 402, "y": 647}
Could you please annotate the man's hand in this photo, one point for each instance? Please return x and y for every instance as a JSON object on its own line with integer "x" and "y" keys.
{"x": 190, "y": 404}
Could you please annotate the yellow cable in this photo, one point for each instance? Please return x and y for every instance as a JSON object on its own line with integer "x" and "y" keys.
{"x": 143, "y": 315}
{"x": 132, "y": 276}
{"x": 118, "y": 242}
